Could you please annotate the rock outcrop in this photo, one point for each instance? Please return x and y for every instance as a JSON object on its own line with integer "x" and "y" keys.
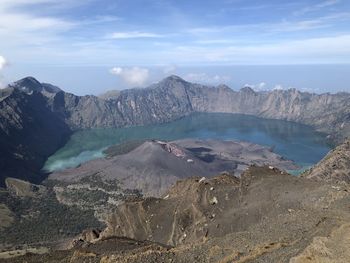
{"x": 335, "y": 167}
{"x": 327, "y": 249}
{"x": 198, "y": 209}
{"x": 21, "y": 188}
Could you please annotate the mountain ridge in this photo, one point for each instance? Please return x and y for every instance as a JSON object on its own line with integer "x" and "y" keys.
{"x": 168, "y": 100}
{"x": 288, "y": 105}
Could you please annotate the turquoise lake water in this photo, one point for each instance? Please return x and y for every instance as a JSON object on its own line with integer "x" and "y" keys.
{"x": 294, "y": 141}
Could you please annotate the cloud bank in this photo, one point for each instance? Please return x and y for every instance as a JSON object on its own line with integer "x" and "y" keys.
{"x": 131, "y": 76}
{"x": 258, "y": 87}
{"x": 3, "y": 62}
{"x": 133, "y": 34}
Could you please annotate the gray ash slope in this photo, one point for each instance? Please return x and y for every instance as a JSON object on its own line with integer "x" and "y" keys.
{"x": 154, "y": 166}
{"x": 48, "y": 115}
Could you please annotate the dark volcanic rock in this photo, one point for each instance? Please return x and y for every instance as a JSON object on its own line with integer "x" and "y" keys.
{"x": 29, "y": 133}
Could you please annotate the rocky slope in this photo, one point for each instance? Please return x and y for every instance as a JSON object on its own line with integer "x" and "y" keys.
{"x": 195, "y": 209}
{"x": 152, "y": 167}
{"x": 36, "y": 118}
{"x": 30, "y": 215}
{"x": 335, "y": 167}
{"x": 264, "y": 216}
{"x": 86, "y": 195}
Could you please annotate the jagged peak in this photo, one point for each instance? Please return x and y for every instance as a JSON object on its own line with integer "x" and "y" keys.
{"x": 173, "y": 78}
{"x": 247, "y": 89}
{"x": 169, "y": 82}
{"x": 223, "y": 86}
{"x": 29, "y": 82}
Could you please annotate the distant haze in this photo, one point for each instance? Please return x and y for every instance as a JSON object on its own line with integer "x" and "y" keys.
{"x": 97, "y": 80}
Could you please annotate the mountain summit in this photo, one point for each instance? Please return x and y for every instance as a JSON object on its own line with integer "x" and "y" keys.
{"x": 30, "y": 84}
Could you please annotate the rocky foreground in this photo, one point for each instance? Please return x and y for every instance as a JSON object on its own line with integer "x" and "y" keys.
{"x": 265, "y": 215}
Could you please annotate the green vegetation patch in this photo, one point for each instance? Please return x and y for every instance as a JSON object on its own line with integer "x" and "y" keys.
{"x": 43, "y": 221}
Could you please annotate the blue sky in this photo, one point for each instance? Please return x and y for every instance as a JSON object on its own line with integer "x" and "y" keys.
{"x": 136, "y": 42}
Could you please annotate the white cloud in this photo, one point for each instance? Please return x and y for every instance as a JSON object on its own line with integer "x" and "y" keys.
{"x": 316, "y": 7}
{"x": 304, "y": 89}
{"x": 133, "y": 34}
{"x": 210, "y": 34}
{"x": 3, "y": 62}
{"x": 334, "y": 49}
{"x": 261, "y": 86}
{"x": 205, "y": 78}
{"x": 21, "y": 28}
{"x": 34, "y": 36}
{"x": 258, "y": 87}
{"x": 132, "y": 76}
{"x": 22, "y": 22}
{"x": 278, "y": 87}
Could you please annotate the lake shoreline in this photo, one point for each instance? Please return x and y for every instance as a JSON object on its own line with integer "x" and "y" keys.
{"x": 298, "y": 142}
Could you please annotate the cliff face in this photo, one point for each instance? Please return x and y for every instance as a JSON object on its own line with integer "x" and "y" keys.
{"x": 173, "y": 98}
{"x": 29, "y": 133}
{"x": 160, "y": 103}
{"x": 36, "y": 118}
